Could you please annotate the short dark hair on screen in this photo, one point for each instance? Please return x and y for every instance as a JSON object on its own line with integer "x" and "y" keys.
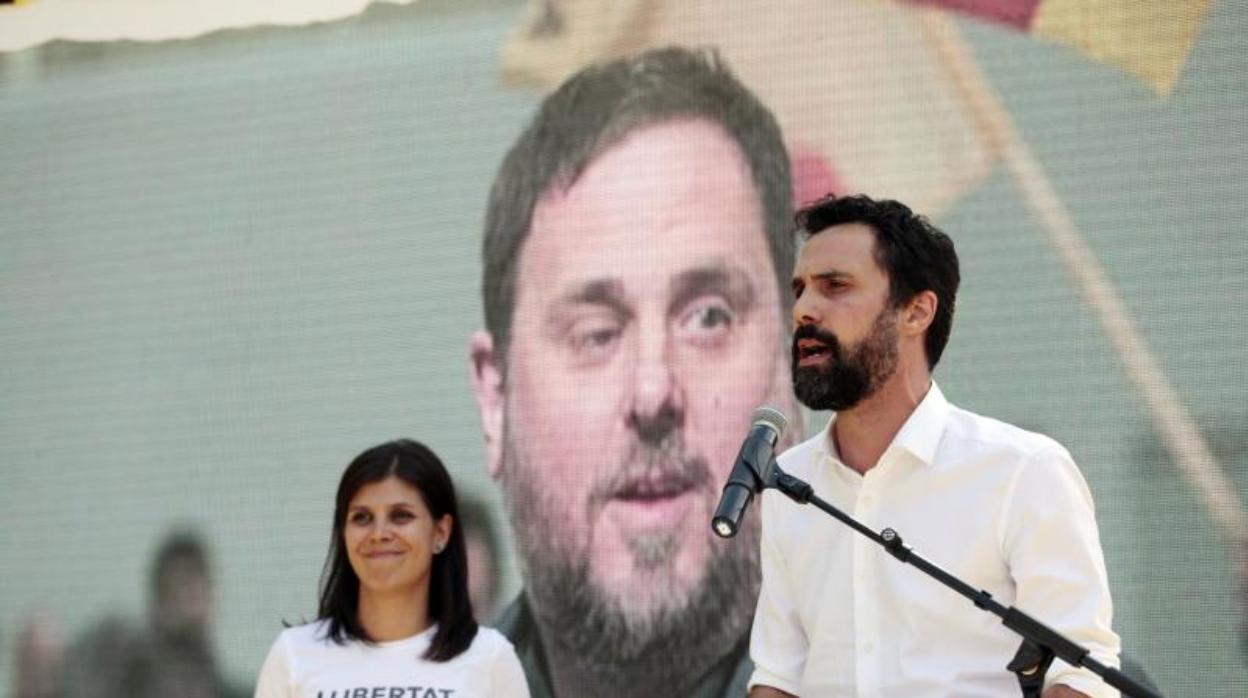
{"x": 449, "y": 604}
{"x": 180, "y": 547}
{"x": 915, "y": 254}
{"x": 596, "y": 109}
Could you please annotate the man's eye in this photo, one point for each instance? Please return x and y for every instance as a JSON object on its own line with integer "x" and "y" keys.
{"x": 711, "y": 317}
{"x": 832, "y": 285}
{"x": 707, "y": 322}
{"x": 593, "y": 337}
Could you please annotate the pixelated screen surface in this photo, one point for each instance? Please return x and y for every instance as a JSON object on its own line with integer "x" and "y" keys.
{"x": 231, "y": 262}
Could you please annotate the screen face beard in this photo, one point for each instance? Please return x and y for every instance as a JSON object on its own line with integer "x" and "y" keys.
{"x": 657, "y": 637}
{"x": 847, "y": 376}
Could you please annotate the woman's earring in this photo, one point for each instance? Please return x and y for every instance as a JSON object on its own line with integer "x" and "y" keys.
{"x": 437, "y": 548}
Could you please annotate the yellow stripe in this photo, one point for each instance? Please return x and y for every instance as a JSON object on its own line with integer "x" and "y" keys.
{"x": 1149, "y": 39}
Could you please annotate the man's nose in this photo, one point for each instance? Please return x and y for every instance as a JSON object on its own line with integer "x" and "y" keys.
{"x": 806, "y": 310}
{"x": 658, "y": 401}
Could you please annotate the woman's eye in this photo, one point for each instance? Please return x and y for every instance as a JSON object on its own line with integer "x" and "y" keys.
{"x": 402, "y": 516}
{"x": 360, "y": 518}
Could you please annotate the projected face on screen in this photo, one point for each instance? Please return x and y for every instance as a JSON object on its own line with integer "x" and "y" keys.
{"x": 646, "y": 328}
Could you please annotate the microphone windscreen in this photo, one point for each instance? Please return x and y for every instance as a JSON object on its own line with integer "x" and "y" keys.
{"x": 772, "y": 417}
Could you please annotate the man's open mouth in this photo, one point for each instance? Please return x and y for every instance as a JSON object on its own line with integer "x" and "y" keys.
{"x": 811, "y": 348}
{"x": 653, "y": 488}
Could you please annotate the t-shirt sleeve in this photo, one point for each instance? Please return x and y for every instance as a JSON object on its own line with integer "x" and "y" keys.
{"x": 277, "y": 675}
{"x": 778, "y": 642}
{"x": 1051, "y": 541}
{"x": 507, "y": 678}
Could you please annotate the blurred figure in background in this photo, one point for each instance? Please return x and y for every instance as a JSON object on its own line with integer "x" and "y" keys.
{"x": 1243, "y": 598}
{"x": 180, "y": 658}
{"x": 485, "y": 551}
{"x": 40, "y": 654}
{"x": 172, "y": 655}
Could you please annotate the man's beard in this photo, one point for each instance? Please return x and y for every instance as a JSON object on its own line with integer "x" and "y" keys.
{"x": 848, "y": 377}
{"x": 662, "y": 642}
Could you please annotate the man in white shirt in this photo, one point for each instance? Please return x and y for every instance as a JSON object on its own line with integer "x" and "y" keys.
{"x": 1003, "y": 509}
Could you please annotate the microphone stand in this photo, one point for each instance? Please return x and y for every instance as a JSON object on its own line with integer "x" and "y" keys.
{"x": 1040, "y": 642}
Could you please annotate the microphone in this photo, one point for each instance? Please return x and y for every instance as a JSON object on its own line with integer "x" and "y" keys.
{"x": 750, "y": 471}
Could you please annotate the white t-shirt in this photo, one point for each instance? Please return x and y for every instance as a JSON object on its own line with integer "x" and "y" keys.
{"x": 303, "y": 663}
{"x": 1001, "y": 508}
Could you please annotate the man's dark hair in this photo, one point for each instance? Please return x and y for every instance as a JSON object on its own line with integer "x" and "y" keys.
{"x": 915, "y": 254}
{"x": 596, "y": 109}
{"x": 449, "y": 605}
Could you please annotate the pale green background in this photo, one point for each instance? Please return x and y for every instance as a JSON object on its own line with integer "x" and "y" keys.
{"x": 228, "y": 265}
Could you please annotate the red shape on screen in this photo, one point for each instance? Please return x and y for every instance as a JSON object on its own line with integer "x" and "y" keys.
{"x": 1015, "y": 13}
{"x": 814, "y": 176}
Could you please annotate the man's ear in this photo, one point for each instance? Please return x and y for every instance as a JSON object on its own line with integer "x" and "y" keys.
{"x": 487, "y": 387}
{"x": 919, "y": 313}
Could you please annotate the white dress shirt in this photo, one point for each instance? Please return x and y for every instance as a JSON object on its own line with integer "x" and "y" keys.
{"x": 1003, "y": 509}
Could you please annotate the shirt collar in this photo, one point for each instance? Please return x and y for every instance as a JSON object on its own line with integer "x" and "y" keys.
{"x": 920, "y": 434}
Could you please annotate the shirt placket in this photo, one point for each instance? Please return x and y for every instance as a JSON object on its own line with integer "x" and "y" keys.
{"x": 866, "y": 587}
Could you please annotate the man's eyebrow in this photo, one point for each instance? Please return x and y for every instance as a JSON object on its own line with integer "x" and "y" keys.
{"x": 799, "y": 282}
{"x": 832, "y": 275}
{"x": 605, "y": 292}
{"x": 727, "y": 280}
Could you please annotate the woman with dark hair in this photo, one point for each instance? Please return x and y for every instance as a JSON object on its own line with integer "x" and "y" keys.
{"x": 395, "y": 617}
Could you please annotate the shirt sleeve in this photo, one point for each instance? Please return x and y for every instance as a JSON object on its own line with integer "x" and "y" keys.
{"x": 276, "y": 677}
{"x": 778, "y": 642}
{"x": 1051, "y": 541}
{"x": 507, "y": 678}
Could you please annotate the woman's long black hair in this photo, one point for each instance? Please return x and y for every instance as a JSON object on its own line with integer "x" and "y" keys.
{"x": 449, "y": 605}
